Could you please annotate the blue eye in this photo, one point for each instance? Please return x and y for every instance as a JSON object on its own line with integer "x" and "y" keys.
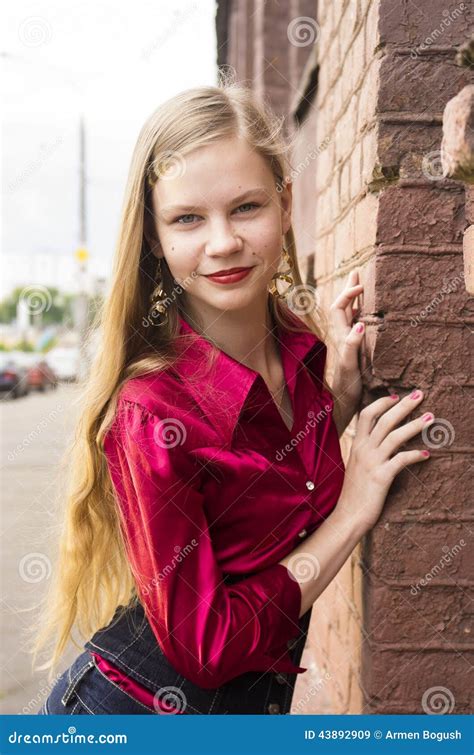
{"x": 248, "y": 204}
{"x": 181, "y": 219}
{"x": 184, "y": 216}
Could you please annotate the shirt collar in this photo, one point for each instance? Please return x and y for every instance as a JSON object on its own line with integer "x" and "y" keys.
{"x": 221, "y": 389}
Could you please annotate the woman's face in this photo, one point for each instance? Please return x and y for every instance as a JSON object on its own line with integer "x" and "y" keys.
{"x": 222, "y": 211}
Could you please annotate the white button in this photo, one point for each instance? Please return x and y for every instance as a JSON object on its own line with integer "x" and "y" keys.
{"x": 310, "y": 484}
{"x": 302, "y": 533}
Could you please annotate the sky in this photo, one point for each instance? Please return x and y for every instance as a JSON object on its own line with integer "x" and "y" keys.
{"x": 112, "y": 63}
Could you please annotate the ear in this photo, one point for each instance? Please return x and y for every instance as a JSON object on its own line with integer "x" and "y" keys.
{"x": 286, "y": 198}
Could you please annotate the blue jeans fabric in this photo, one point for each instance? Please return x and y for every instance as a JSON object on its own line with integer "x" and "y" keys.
{"x": 129, "y": 643}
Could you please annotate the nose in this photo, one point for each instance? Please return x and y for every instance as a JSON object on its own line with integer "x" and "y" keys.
{"x": 222, "y": 239}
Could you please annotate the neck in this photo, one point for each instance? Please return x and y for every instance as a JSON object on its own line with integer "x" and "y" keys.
{"x": 245, "y": 334}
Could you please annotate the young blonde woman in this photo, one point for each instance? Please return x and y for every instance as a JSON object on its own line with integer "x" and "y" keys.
{"x": 209, "y": 506}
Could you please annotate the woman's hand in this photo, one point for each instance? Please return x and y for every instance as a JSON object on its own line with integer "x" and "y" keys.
{"x": 375, "y": 458}
{"x": 346, "y": 384}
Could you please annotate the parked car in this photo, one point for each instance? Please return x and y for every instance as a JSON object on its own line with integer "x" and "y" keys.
{"x": 41, "y": 376}
{"x": 64, "y": 361}
{"x": 13, "y": 377}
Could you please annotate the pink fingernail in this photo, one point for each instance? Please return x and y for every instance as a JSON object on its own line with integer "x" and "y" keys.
{"x": 360, "y": 327}
{"x": 427, "y": 417}
{"x": 425, "y": 453}
{"x": 394, "y": 396}
{"x": 415, "y": 394}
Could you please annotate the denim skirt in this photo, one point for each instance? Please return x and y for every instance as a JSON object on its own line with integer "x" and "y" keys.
{"x": 130, "y": 644}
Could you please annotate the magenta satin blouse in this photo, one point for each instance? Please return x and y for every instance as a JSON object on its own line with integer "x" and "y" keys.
{"x": 210, "y": 482}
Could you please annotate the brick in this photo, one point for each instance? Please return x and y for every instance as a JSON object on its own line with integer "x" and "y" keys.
{"x": 422, "y": 287}
{"x": 409, "y": 551}
{"x": 365, "y": 222}
{"x": 420, "y": 357}
{"x": 411, "y": 24}
{"x": 418, "y": 86}
{"x": 422, "y": 611}
{"x": 401, "y": 221}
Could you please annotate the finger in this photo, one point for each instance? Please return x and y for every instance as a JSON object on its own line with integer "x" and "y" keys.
{"x": 395, "y": 415}
{"x": 404, "y": 459}
{"x": 402, "y": 434}
{"x": 371, "y": 412}
{"x": 350, "y": 351}
{"x": 345, "y": 299}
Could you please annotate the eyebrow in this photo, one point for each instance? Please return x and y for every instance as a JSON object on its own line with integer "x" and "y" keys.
{"x": 187, "y": 208}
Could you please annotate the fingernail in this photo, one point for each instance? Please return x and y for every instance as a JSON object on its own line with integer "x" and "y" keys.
{"x": 395, "y": 396}
{"x": 360, "y": 327}
{"x": 427, "y": 417}
{"x": 425, "y": 453}
{"x": 415, "y": 394}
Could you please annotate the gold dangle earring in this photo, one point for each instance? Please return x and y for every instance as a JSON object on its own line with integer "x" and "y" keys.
{"x": 158, "y": 300}
{"x": 285, "y": 275}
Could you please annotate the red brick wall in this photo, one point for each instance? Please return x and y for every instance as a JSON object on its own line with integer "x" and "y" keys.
{"x": 369, "y": 195}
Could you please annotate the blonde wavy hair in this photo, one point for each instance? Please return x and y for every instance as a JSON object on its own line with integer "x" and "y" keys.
{"x": 92, "y": 576}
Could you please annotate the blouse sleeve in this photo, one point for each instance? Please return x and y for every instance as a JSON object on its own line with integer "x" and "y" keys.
{"x": 209, "y": 631}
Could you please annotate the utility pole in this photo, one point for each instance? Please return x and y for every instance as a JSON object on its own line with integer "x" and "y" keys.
{"x": 82, "y": 255}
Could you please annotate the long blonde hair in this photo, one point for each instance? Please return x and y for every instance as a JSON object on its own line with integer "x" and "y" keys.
{"x": 92, "y": 575}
